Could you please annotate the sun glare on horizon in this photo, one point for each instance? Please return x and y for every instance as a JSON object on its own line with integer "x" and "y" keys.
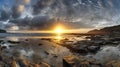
{"x": 59, "y": 30}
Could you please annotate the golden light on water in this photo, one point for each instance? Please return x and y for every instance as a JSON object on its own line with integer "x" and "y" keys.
{"x": 59, "y": 37}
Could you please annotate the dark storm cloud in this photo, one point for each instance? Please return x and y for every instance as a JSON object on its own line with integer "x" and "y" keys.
{"x": 38, "y": 22}
{"x": 40, "y": 4}
{"x": 19, "y": 7}
{"x": 15, "y": 12}
{"x": 5, "y": 14}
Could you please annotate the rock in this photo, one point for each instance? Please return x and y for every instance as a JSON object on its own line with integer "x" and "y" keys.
{"x": 5, "y": 58}
{"x": 40, "y": 44}
{"x": 2, "y": 64}
{"x": 26, "y": 40}
{"x": 14, "y": 42}
{"x": 84, "y": 64}
{"x": 47, "y": 39}
{"x": 14, "y": 64}
{"x": 55, "y": 56}
{"x": 95, "y": 66}
{"x": 79, "y": 49}
{"x": 1, "y": 41}
{"x": 37, "y": 65}
{"x": 70, "y": 61}
{"x": 115, "y": 39}
{"x": 47, "y": 53}
{"x": 93, "y": 48}
{"x": 109, "y": 42}
{"x": 81, "y": 61}
{"x": 43, "y": 64}
{"x": 2, "y": 31}
{"x": 23, "y": 63}
{"x": 113, "y": 64}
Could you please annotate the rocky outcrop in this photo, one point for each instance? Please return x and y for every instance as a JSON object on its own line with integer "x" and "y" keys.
{"x": 106, "y": 30}
{"x": 113, "y": 64}
{"x": 96, "y": 31}
{"x": 2, "y": 31}
{"x": 10, "y": 62}
{"x": 81, "y": 61}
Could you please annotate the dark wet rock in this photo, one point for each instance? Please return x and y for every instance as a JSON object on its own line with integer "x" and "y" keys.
{"x": 84, "y": 46}
{"x": 47, "y": 39}
{"x": 1, "y": 41}
{"x": 36, "y": 58}
{"x": 13, "y": 63}
{"x": 54, "y": 55}
{"x": 95, "y": 63}
{"x": 80, "y": 50}
{"x": 2, "y": 31}
{"x": 26, "y": 40}
{"x": 47, "y": 53}
{"x": 110, "y": 42}
{"x": 23, "y": 63}
{"x": 40, "y": 44}
{"x": 71, "y": 61}
{"x": 2, "y": 48}
{"x": 43, "y": 64}
{"x": 76, "y": 49}
{"x": 18, "y": 62}
{"x": 115, "y": 39}
{"x": 93, "y": 48}
{"x": 113, "y": 64}
{"x": 96, "y": 38}
{"x": 14, "y": 42}
{"x": 6, "y": 59}
{"x": 1, "y": 58}
{"x": 67, "y": 42}
{"x": 2, "y": 64}
{"x": 11, "y": 46}
{"x": 81, "y": 61}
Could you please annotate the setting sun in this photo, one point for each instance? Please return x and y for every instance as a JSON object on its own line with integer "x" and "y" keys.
{"x": 59, "y": 30}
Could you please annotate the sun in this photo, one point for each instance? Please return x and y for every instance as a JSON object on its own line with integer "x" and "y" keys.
{"x": 59, "y": 30}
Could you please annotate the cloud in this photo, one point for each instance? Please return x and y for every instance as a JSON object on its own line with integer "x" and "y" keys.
{"x": 43, "y": 14}
{"x": 38, "y": 22}
{"x": 23, "y": 2}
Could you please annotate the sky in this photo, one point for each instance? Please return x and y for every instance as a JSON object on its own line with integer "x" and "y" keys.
{"x": 7, "y": 2}
{"x": 45, "y": 14}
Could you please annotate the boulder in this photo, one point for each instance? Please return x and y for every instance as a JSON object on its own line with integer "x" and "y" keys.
{"x": 81, "y": 61}
{"x": 93, "y": 48}
{"x": 2, "y": 31}
{"x": 113, "y": 64}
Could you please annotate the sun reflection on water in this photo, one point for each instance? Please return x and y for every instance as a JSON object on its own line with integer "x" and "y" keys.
{"x": 59, "y": 37}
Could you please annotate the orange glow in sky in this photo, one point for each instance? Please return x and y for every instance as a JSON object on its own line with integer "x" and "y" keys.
{"x": 59, "y": 29}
